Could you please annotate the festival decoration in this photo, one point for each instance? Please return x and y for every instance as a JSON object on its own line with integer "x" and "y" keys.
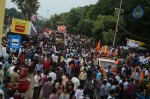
{"x": 98, "y": 46}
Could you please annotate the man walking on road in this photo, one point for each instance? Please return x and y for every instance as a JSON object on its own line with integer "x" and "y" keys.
{"x": 47, "y": 88}
{"x": 37, "y": 79}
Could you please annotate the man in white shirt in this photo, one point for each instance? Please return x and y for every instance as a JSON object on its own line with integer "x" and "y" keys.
{"x": 125, "y": 85}
{"x": 141, "y": 58}
{"x": 76, "y": 82}
{"x": 53, "y": 76}
{"x": 68, "y": 67}
{"x": 79, "y": 92}
{"x": 21, "y": 50}
{"x": 55, "y": 59}
{"x": 37, "y": 79}
{"x": 11, "y": 69}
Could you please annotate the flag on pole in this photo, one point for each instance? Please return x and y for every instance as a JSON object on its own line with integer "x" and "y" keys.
{"x": 141, "y": 76}
{"x": 98, "y": 46}
{"x": 33, "y": 31}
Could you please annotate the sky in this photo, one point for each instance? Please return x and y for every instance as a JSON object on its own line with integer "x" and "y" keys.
{"x": 50, "y": 7}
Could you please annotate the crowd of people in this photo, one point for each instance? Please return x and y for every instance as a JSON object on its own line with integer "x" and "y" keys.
{"x": 73, "y": 71}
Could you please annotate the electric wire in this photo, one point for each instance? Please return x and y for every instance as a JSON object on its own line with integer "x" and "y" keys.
{"x": 132, "y": 34}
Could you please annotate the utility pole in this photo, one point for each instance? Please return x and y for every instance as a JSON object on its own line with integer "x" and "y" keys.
{"x": 116, "y": 29}
{"x": 2, "y": 10}
{"x": 47, "y": 13}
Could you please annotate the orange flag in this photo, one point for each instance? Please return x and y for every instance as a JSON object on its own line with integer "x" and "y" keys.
{"x": 141, "y": 76}
{"x": 117, "y": 62}
{"x": 98, "y": 46}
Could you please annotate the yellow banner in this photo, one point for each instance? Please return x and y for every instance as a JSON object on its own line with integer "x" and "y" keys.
{"x": 136, "y": 42}
{"x": 20, "y": 26}
{"x": 2, "y": 13}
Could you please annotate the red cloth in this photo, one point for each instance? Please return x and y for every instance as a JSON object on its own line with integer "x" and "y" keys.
{"x": 22, "y": 59}
{"x": 47, "y": 65}
{"x": 23, "y": 85}
{"x": 24, "y": 71}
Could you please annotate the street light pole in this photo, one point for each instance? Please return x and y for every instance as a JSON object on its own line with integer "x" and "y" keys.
{"x": 47, "y": 13}
{"x": 116, "y": 29}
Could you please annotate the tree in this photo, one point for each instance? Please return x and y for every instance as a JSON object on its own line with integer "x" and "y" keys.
{"x": 85, "y": 27}
{"x": 103, "y": 16}
{"x": 12, "y": 12}
{"x": 28, "y": 7}
{"x": 104, "y": 28}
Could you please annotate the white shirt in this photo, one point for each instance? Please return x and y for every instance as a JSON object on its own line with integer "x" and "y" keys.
{"x": 53, "y": 56}
{"x": 125, "y": 85}
{"x": 21, "y": 50}
{"x": 76, "y": 83}
{"x": 28, "y": 62}
{"x": 78, "y": 93}
{"x": 53, "y": 75}
{"x": 67, "y": 61}
{"x": 146, "y": 72}
{"x": 141, "y": 58}
{"x": 55, "y": 59}
{"x": 36, "y": 80}
{"x": 14, "y": 61}
{"x": 110, "y": 97}
{"x": 11, "y": 69}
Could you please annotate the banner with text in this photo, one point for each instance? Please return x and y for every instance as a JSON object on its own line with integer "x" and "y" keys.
{"x": 15, "y": 41}
{"x": 21, "y": 26}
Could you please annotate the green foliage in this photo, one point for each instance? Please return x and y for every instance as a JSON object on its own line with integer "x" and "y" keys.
{"x": 104, "y": 26}
{"x": 28, "y": 7}
{"x": 98, "y": 20}
{"x": 85, "y": 27}
{"x": 107, "y": 37}
{"x": 12, "y": 12}
{"x": 125, "y": 53}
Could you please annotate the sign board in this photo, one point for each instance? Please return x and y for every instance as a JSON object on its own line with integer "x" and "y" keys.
{"x": 15, "y": 41}
{"x": 21, "y": 26}
{"x": 132, "y": 44}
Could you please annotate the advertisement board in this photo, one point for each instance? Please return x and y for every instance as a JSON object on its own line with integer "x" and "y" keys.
{"x": 21, "y": 26}
{"x": 15, "y": 41}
